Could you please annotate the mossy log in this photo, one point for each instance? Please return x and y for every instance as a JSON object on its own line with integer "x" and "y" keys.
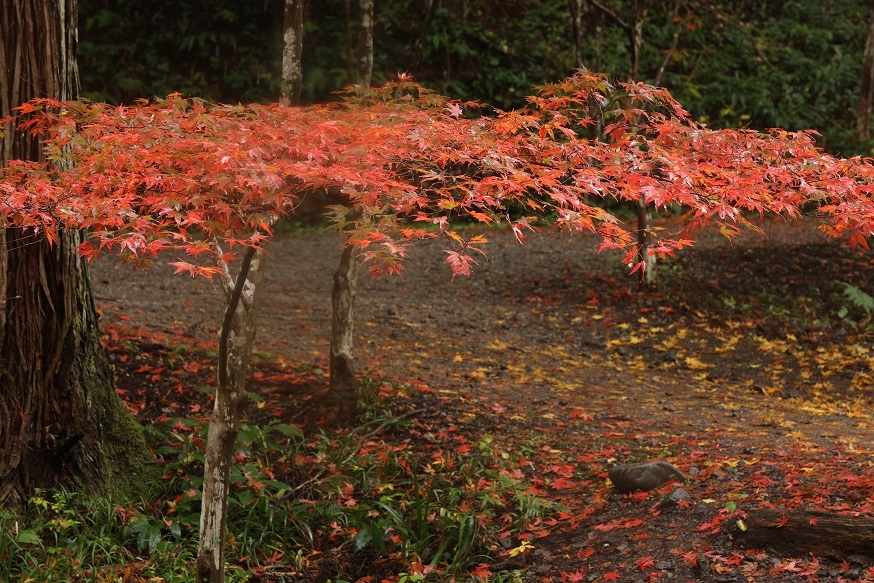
{"x": 797, "y": 533}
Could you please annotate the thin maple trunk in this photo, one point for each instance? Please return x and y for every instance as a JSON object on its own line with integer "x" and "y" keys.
{"x": 61, "y": 421}
{"x": 675, "y": 39}
{"x": 291, "y": 83}
{"x": 644, "y": 216}
{"x": 341, "y": 401}
{"x": 644, "y": 242}
{"x": 636, "y": 39}
{"x": 634, "y": 30}
{"x": 235, "y": 349}
{"x": 866, "y": 89}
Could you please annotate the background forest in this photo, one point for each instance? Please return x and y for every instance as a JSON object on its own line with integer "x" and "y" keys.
{"x": 794, "y": 64}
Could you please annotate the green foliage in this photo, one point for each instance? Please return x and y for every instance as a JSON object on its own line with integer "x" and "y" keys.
{"x": 59, "y": 531}
{"x": 364, "y": 495}
{"x": 793, "y": 65}
{"x": 490, "y": 51}
{"x": 859, "y": 302}
{"x": 858, "y": 298}
{"x": 789, "y": 64}
{"x": 221, "y": 50}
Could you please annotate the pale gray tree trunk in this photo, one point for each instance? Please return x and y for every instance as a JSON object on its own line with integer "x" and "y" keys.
{"x": 236, "y": 338}
{"x": 61, "y": 422}
{"x": 291, "y": 83}
{"x": 866, "y": 89}
{"x": 365, "y": 42}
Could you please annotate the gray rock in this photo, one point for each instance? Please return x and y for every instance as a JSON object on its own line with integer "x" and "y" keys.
{"x": 675, "y": 497}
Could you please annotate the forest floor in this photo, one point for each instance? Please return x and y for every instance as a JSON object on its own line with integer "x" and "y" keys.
{"x": 743, "y": 368}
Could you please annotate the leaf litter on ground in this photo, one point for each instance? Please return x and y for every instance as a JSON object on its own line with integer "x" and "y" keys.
{"x": 742, "y": 370}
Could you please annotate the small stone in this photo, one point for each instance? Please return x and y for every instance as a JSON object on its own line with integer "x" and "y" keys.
{"x": 675, "y": 497}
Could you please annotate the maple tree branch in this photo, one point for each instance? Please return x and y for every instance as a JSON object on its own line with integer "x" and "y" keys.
{"x": 233, "y": 302}
{"x": 673, "y": 50}
{"x": 606, "y": 10}
{"x": 225, "y": 275}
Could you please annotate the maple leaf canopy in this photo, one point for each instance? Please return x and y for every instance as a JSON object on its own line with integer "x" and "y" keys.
{"x": 184, "y": 174}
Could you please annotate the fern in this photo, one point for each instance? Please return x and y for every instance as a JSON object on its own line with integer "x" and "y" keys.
{"x": 858, "y": 298}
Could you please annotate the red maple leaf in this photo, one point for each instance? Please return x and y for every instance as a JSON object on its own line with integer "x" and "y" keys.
{"x": 644, "y": 563}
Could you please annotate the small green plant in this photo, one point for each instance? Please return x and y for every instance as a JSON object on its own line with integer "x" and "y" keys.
{"x": 858, "y": 302}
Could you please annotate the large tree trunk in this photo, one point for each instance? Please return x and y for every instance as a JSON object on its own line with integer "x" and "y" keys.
{"x": 235, "y": 349}
{"x": 61, "y": 422}
{"x": 866, "y": 89}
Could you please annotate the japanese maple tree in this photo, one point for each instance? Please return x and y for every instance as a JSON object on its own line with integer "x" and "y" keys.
{"x": 210, "y": 181}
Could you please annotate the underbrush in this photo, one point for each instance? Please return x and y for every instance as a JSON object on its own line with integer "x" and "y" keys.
{"x": 814, "y": 290}
{"x": 388, "y": 500}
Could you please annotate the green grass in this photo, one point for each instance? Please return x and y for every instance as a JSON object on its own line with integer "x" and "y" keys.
{"x": 376, "y": 500}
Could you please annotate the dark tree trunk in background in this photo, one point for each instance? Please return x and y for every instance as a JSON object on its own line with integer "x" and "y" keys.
{"x": 578, "y": 10}
{"x": 350, "y": 44}
{"x": 61, "y": 422}
{"x": 422, "y": 40}
{"x": 291, "y": 84}
{"x": 866, "y": 89}
{"x": 634, "y": 30}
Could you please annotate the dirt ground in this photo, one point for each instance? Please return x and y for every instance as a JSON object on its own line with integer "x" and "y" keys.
{"x": 743, "y": 364}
